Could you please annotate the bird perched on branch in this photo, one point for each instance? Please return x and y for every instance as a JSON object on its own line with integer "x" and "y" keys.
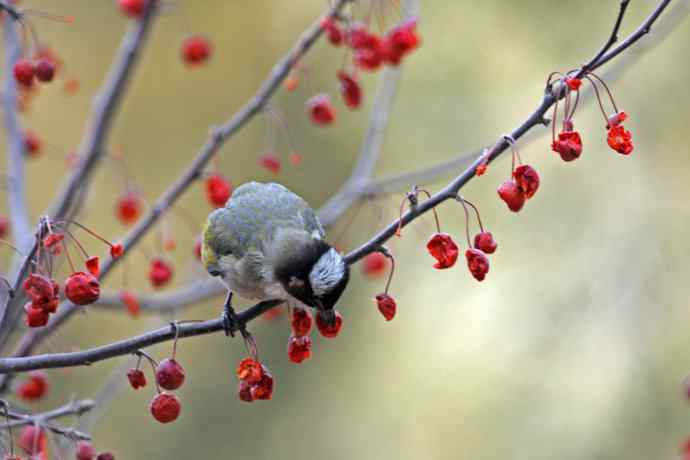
{"x": 266, "y": 243}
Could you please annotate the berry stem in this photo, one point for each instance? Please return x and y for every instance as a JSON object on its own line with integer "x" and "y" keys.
{"x": 596, "y": 92}
{"x": 69, "y": 258}
{"x": 467, "y": 219}
{"x": 87, "y": 230}
{"x": 606, "y": 87}
{"x": 176, "y": 328}
{"x": 476, "y": 211}
{"x": 81, "y": 248}
{"x": 383, "y": 250}
{"x": 428, "y": 195}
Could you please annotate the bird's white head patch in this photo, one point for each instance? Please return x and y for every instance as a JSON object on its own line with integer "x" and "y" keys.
{"x": 327, "y": 272}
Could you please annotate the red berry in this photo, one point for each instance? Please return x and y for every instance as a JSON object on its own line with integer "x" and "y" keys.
{"x": 484, "y": 241}
{"x": 131, "y": 302}
{"x": 442, "y": 248}
{"x": 218, "y": 190}
{"x": 85, "y": 451}
{"x": 512, "y": 194}
{"x": 44, "y": 70}
{"x": 299, "y": 348}
{"x": 369, "y": 58}
{"x": 329, "y": 330}
{"x": 358, "y": 36}
{"x": 35, "y": 317}
{"x": 568, "y": 145}
{"x": 249, "y": 370}
{"x": 32, "y": 440}
{"x": 196, "y": 50}
{"x": 4, "y": 226}
{"x": 93, "y": 265}
{"x": 33, "y": 388}
{"x": 170, "y": 374}
{"x": 478, "y": 263}
{"x": 481, "y": 169}
{"x": 52, "y": 242}
{"x": 387, "y": 306}
{"x": 129, "y": 207}
{"x": 136, "y": 378}
{"x": 105, "y": 456}
{"x": 244, "y": 391}
{"x": 263, "y": 389}
{"x": 400, "y": 41}
{"x": 527, "y": 179}
{"x": 82, "y": 288}
{"x": 573, "y": 83}
{"x": 295, "y": 158}
{"x": 320, "y": 110}
{"x": 620, "y": 140}
{"x": 270, "y": 162}
{"x": 374, "y": 264}
{"x": 132, "y": 8}
{"x": 39, "y": 287}
{"x": 332, "y": 30}
{"x": 197, "y": 248}
{"x": 24, "y": 72}
{"x": 33, "y": 144}
{"x": 350, "y": 90}
{"x": 616, "y": 119}
{"x": 116, "y": 250}
{"x": 165, "y": 407}
{"x": 160, "y": 272}
{"x": 300, "y": 321}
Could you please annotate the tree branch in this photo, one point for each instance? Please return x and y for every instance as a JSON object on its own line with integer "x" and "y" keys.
{"x": 71, "y": 408}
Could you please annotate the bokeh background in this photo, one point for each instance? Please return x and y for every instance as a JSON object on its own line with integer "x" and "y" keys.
{"x": 575, "y": 346}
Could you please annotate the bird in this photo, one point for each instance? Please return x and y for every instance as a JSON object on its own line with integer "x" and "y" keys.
{"x": 267, "y": 244}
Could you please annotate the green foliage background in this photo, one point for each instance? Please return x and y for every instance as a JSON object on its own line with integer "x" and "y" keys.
{"x": 574, "y": 347}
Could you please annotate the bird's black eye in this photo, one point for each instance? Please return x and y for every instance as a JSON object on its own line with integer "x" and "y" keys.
{"x": 214, "y": 272}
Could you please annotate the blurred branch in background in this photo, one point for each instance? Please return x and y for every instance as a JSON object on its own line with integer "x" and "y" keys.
{"x": 43, "y": 419}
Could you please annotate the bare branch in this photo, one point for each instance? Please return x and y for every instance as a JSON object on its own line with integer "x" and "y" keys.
{"x": 42, "y": 419}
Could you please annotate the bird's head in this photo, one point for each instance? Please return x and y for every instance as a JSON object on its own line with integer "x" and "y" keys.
{"x": 316, "y": 275}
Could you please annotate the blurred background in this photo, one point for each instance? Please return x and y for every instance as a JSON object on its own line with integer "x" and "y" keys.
{"x": 574, "y": 347}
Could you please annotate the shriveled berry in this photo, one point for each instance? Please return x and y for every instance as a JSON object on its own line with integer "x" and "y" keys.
{"x": 350, "y": 90}
{"x": 35, "y": 317}
{"x": 244, "y": 391}
{"x": 132, "y": 8}
{"x": 527, "y": 179}
{"x": 170, "y": 374}
{"x": 93, "y": 265}
{"x": 136, "y": 378}
{"x": 85, "y": 451}
{"x": 165, "y": 407}
{"x": 299, "y": 348}
{"x": 478, "y": 263}
{"x": 128, "y": 207}
{"x": 218, "y": 190}
{"x": 386, "y": 305}
{"x": 400, "y": 41}
{"x": 24, "y": 72}
{"x": 160, "y": 272}
{"x": 568, "y": 145}
{"x": 33, "y": 144}
{"x": 616, "y": 119}
{"x": 116, "y": 250}
{"x": 196, "y": 50}
{"x": 374, "y": 264}
{"x": 270, "y": 162}
{"x": 320, "y": 110}
{"x": 35, "y": 387}
{"x": 82, "y": 288}
{"x": 263, "y": 389}
{"x": 484, "y": 241}
{"x": 105, "y": 456}
{"x": 32, "y": 440}
{"x": 620, "y": 140}
{"x": 442, "y": 248}
{"x": 512, "y": 195}
{"x": 332, "y": 31}
{"x": 327, "y": 329}
{"x": 131, "y": 302}
{"x": 300, "y": 321}
{"x": 53, "y": 242}
{"x": 44, "y": 70}
{"x": 38, "y": 286}
{"x": 249, "y": 370}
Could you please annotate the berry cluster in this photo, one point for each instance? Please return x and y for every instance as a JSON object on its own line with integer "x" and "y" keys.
{"x": 255, "y": 381}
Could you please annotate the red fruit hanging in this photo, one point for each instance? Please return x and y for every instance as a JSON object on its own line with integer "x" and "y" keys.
{"x": 33, "y": 388}
{"x": 478, "y": 263}
{"x": 131, "y": 302}
{"x": 484, "y": 241}
{"x": 160, "y": 272}
{"x": 527, "y": 179}
{"x": 332, "y": 31}
{"x": 170, "y": 374}
{"x": 568, "y": 145}
{"x": 320, "y": 110}
{"x": 374, "y": 264}
{"x": 244, "y": 391}
{"x": 218, "y": 190}
{"x": 44, "y": 70}
{"x": 24, "y": 72}
{"x": 33, "y": 144}
{"x": 128, "y": 207}
{"x": 300, "y": 321}
{"x": 400, "y": 41}
{"x": 196, "y": 50}
{"x": 35, "y": 317}
{"x": 250, "y": 370}
{"x": 299, "y": 348}
{"x": 116, "y": 250}
{"x": 329, "y": 330}
{"x": 264, "y": 388}
{"x": 82, "y": 288}
{"x": 616, "y": 119}
{"x": 270, "y": 162}
{"x": 105, "y": 456}
{"x": 512, "y": 195}
{"x": 4, "y": 226}
{"x": 132, "y": 8}
{"x": 442, "y": 248}
{"x": 350, "y": 90}
{"x": 93, "y": 265}
{"x": 165, "y": 407}
{"x": 620, "y": 140}
{"x": 136, "y": 378}
{"x": 386, "y": 305}
{"x": 32, "y": 440}
{"x": 85, "y": 451}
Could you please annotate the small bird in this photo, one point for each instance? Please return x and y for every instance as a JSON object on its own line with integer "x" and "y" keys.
{"x": 266, "y": 243}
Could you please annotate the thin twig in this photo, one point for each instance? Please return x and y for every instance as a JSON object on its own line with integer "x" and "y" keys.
{"x": 71, "y": 408}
